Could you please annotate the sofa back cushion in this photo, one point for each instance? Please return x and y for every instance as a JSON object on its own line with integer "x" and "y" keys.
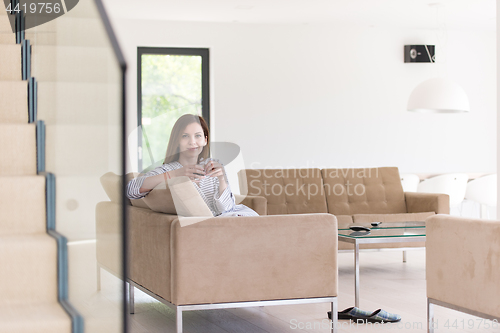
{"x": 112, "y": 185}
{"x": 288, "y": 191}
{"x": 364, "y": 191}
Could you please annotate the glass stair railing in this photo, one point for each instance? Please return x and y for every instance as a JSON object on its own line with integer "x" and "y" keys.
{"x": 61, "y": 128}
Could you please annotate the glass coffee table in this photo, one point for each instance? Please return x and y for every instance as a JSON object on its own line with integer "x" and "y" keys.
{"x": 390, "y": 232}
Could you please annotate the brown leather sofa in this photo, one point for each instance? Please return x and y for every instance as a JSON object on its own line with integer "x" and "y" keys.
{"x": 222, "y": 262}
{"x": 463, "y": 269}
{"x": 354, "y": 196}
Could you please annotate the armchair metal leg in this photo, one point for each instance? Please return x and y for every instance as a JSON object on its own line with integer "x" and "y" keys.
{"x": 98, "y": 277}
{"x": 131, "y": 298}
{"x": 179, "y": 319}
{"x": 334, "y": 316}
{"x": 179, "y": 309}
{"x": 430, "y": 317}
{"x": 404, "y": 256}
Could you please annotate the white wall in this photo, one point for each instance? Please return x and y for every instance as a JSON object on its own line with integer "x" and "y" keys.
{"x": 323, "y": 95}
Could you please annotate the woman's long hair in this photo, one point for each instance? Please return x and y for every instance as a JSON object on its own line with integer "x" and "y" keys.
{"x": 175, "y": 136}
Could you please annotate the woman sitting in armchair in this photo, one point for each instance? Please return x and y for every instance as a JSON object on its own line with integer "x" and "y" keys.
{"x": 187, "y": 155}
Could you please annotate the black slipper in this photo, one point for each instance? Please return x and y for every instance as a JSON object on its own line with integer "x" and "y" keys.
{"x": 352, "y": 313}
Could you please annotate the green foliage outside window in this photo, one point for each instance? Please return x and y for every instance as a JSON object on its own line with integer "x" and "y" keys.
{"x": 171, "y": 87}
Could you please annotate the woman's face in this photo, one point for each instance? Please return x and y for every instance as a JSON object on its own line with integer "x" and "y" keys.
{"x": 192, "y": 140}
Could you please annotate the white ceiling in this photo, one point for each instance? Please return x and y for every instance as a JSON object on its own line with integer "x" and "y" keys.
{"x": 421, "y": 14}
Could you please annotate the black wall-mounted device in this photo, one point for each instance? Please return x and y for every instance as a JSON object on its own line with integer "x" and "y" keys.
{"x": 419, "y": 53}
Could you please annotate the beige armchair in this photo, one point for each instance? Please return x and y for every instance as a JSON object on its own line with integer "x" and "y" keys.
{"x": 224, "y": 262}
{"x": 463, "y": 266}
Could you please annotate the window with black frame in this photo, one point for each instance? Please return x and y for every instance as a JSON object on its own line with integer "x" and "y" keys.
{"x": 171, "y": 82}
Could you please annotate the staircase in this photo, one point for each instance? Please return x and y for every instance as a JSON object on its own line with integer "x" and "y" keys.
{"x": 30, "y": 290}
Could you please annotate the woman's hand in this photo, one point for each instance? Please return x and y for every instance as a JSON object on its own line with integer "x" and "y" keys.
{"x": 215, "y": 169}
{"x": 195, "y": 172}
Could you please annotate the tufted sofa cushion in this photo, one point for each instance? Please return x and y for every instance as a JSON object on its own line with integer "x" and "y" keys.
{"x": 288, "y": 191}
{"x": 364, "y": 191}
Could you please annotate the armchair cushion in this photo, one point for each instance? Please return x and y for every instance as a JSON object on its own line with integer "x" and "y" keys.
{"x": 140, "y": 203}
{"x": 160, "y": 199}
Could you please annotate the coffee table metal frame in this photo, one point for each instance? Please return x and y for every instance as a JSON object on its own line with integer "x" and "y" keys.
{"x": 373, "y": 240}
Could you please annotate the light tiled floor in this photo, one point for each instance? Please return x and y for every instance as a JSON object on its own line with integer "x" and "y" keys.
{"x": 386, "y": 282}
{"x": 101, "y": 310}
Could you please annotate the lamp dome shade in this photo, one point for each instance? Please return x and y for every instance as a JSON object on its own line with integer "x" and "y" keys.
{"x": 438, "y": 95}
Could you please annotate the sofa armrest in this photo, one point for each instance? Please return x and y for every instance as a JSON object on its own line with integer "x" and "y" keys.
{"x": 149, "y": 249}
{"x": 257, "y": 203}
{"x": 463, "y": 262}
{"x": 238, "y": 259}
{"x": 427, "y": 202}
{"x": 109, "y": 236}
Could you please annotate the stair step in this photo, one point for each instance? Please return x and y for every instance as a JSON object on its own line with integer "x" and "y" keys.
{"x": 10, "y": 66}
{"x": 22, "y": 203}
{"x": 67, "y": 29}
{"x": 18, "y": 149}
{"x": 47, "y": 33}
{"x": 6, "y": 34}
{"x": 29, "y": 269}
{"x": 80, "y": 63}
{"x": 40, "y": 318}
{"x": 14, "y": 102}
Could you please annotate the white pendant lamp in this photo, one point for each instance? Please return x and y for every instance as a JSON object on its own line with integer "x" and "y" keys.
{"x": 438, "y": 95}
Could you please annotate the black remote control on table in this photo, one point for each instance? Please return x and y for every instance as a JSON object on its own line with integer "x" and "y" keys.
{"x": 359, "y": 228}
